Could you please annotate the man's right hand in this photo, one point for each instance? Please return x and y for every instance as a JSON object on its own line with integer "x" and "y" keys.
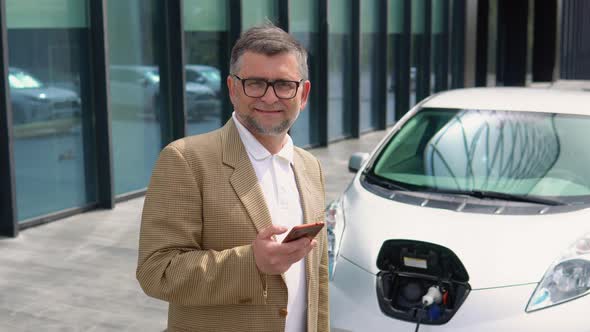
{"x": 273, "y": 257}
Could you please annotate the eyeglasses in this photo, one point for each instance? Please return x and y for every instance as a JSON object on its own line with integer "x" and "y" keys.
{"x": 257, "y": 87}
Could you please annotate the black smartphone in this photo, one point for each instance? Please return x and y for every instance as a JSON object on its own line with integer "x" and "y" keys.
{"x": 305, "y": 230}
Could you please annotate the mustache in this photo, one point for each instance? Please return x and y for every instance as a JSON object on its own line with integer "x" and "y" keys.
{"x": 266, "y": 107}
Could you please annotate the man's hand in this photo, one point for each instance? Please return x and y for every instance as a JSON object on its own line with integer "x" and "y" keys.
{"x": 273, "y": 257}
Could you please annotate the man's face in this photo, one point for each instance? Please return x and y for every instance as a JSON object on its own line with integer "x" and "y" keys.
{"x": 267, "y": 115}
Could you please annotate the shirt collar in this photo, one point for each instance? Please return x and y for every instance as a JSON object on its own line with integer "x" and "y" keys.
{"x": 256, "y": 149}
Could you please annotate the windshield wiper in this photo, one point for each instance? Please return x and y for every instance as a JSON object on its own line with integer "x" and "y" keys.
{"x": 385, "y": 183}
{"x": 483, "y": 194}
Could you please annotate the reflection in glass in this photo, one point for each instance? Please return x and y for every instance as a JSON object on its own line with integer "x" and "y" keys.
{"x": 205, "y": 32}
{"x": 134, "y": 91}
{"x": 395, "y": 33}
{"x": 439, "y": 46}
{"x": 303, "y": 17}
{"x": 368, "y": 63}
{"x": 255, "y": 12}
{"x": 492, "y": 45}
{"x": 417, "y": 51}
{"x": 339, "y": 63}
{"x": 33, "y": 101}
{"x": 521, "y": 153}
{"x": 48, "y": 75}
{"x": 203, "y": 103}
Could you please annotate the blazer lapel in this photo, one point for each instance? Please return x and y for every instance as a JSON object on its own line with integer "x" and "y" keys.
{"x": 302, "y": 186}
{"x": 243, "y": 179}
{"x": 305, "y": 197}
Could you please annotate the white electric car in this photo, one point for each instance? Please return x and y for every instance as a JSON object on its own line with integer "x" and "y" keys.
{"x": 472, "y": 214}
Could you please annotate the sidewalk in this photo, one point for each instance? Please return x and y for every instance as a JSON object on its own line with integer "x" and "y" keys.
{"x": 78, "y": 274}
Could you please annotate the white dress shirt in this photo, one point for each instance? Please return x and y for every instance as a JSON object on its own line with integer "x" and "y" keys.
{"x": 277, "y": 180}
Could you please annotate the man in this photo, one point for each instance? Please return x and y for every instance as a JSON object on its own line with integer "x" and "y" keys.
{"x": 219, "y": 204}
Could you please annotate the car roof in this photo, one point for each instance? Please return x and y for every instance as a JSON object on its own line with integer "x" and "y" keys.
{"x": 138, "y": 68}
{"x": 542, "y": 100}
{"x": 200, "y": 67}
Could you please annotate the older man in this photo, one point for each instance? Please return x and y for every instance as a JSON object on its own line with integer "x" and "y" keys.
{"x": 219, "y": 204}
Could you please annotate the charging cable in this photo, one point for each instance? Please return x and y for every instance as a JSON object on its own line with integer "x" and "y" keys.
{"x": 433, "y": 296}
{"x": 420, "y": 312}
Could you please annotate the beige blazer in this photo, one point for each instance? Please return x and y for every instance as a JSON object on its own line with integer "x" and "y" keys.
{"x": 202, "y": 211}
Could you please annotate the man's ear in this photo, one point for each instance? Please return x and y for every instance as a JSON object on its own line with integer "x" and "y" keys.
{"x": 305, "y": 88}
{"x": 231, "y": 88}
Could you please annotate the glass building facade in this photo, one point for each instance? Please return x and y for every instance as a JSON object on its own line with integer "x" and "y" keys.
{"x": 52, "y": 129}
{"x": 92, "y": 90}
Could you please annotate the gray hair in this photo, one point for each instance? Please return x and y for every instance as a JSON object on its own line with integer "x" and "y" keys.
{"x": 269, "y": 40}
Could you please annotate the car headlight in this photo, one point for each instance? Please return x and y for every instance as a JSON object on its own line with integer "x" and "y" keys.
{"x": 566, "y": 279}
{"x": 335, "y": 228}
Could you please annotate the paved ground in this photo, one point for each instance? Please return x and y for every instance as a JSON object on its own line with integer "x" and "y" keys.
{"x": 78, "y": 274}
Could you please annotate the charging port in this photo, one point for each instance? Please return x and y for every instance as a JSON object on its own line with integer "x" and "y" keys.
{"x": 420, "y": 281}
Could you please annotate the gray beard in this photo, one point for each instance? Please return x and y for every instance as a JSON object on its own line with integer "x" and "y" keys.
{"x": 282, "y": 128}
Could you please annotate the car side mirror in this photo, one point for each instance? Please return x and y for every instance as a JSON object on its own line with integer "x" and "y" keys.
{"x": 356, "y": 161}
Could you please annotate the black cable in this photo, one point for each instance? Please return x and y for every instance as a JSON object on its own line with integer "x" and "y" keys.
{"x": 419, "y": 313}
{"x": 417, "y": 324}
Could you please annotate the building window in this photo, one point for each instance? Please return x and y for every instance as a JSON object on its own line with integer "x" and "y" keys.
{"x": 136, "y": 102}
{"x": 54, "y": 152}
{"x": 206, "y": 53}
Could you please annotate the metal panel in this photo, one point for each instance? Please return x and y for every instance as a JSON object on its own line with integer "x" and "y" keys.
{"x": 440, "y": 51}
{"x": 470, "y": 42}
{"x": 481, "y": 52}
{"x": 513, "y": 37}
{"x": 458, "y": 44}
{"x": 575, "y": 44}
{"x": 402, "y": 58}
{"x": 8, "y": 222}
{"x": 235, "y": 28}
{"x": 283, "y": 12}
{"x": 381, "y": 79}
{"x": 355, "y": 75}
{"x": 172, "y": 76}
{"x": 423, "y": 82}
{"x": 100, "y": 104}
{"x": 322, "y": 75}
{"x": 544, "y": 40}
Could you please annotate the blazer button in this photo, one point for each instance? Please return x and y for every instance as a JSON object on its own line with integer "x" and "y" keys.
{"x": 283, "y": 312}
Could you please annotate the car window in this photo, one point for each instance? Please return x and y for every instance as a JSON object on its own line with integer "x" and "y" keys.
{"x": 23, "y": 80}
{"x": 523, "y": 153}
{"x": 211, "y": 75}
{"x": 191, "y": 76}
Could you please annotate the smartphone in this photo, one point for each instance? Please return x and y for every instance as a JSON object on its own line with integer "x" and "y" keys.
{"x": 305, "y": 230}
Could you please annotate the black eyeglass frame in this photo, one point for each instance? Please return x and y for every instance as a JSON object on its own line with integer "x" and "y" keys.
{"x": 269, "y": 83}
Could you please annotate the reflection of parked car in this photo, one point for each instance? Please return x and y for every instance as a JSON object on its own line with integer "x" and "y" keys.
{"x": 32, "y": 101}
{"x": 207, "y": 75}
{"x": 134, "y": 87}
{"x": 471, "y": 215}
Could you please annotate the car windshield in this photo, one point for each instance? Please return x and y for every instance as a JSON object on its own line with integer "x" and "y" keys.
{"x": 22, "y": 80}
{"x": 211, "y": 75}
{"x": 501, "y": 152}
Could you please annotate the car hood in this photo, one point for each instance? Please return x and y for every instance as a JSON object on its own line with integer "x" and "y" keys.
{"x": 48, "y": 93}
{"x": 198, "y": 89}
{"x": 496, "y": 250}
